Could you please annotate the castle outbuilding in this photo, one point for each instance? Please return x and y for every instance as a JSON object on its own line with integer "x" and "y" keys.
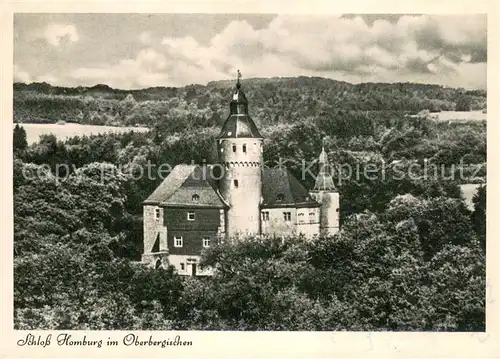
{"x": 197, "y": 206}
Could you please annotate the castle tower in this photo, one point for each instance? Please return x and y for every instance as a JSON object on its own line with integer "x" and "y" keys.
{"x": 239, "y": 148}
{"x": 327, "y": 195}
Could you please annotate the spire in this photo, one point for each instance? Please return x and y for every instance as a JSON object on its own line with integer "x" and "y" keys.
{"x": 323, "y": 157}
{"x": 324, "y": 180}
{"x": 239, "y": 102}
{"x": 239, "y": 123}
{"x": 238, "y": 84}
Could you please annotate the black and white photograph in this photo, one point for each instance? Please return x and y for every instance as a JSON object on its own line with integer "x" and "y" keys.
{"x": 249, "y": 172}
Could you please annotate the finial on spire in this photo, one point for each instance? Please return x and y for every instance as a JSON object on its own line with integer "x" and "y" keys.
{"x": 238, "y": 84}
{"x": 323, "y": 157}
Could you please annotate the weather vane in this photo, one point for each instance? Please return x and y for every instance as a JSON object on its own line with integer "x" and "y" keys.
{"x": 238, "y": 76}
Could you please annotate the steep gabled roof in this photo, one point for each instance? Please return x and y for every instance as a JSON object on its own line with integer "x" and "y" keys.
{"x": 184, "y": 182}
{"x": 281, "y": 189}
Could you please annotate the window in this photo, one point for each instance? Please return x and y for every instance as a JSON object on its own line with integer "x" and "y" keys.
{"x": 156, "y": 245}
{"x": 195, "y": 198}
{"x": 206, "y": 242}
{"x": 300, "y": 214}
{"x": 178, "y": 242}
{"x": 265, "y": 216}
{"x": 244, "y": 148}
{"x": 157, "y": 214}
{"x": 236, "y": 183}
{"x": 158, "y": 264}
{"x": 280, "y": 197}
{"x": 190, "y": 216}
{"x": 234, "y": 148}
{"x": 182, "y": 266}
{"x": 287, "y": 216}
{"x": 337, "y": 210}
{"x": 311, "y": 213}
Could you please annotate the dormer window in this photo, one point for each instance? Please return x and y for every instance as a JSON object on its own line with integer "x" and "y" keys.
{"x": 280, "y": 197}
{"x": 195, "y": 198}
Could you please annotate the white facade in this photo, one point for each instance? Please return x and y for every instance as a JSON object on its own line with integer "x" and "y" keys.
{"x": 241, "y": 185}
{"x": 329, "y": 211}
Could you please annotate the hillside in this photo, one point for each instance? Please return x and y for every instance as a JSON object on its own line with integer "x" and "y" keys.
{"x": 410, "y": 255}
{"x": 273, "y": 101}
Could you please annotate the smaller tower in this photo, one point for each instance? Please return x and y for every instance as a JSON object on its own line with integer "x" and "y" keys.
{"x": 327, "y": 195}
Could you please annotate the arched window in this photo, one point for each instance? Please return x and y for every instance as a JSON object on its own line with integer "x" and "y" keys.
{"x": 158, "y": 263}
{"x": 195, "y": 198}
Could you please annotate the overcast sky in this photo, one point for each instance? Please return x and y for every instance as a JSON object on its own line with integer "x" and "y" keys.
{"x": 139, "y": 50}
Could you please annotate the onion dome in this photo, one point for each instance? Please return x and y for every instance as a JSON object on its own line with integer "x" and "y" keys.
{"x": 239, "y": 124}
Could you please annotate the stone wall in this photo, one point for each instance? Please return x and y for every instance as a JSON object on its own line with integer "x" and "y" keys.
{"x": 154, "y": 226}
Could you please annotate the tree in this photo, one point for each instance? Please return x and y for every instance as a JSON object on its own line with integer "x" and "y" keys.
{"x": 463, "y": 103}
{"x": 19, "y": 141}
{"x": 479, "y": 214}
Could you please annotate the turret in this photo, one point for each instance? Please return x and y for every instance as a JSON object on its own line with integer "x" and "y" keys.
{"x": 239, "y": 148}
{"x": 327, "y": 195}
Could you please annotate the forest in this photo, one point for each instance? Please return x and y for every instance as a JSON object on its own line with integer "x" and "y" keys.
{"x": 410, "y": 255}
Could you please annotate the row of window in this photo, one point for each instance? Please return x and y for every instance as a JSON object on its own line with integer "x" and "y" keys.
{"x": 190, "y": 215}
{"x": 243, "y": 147}
{"x": 179, "y": 242}
{"x": 183, "y": 267}
{"x": 265, "y": 215}
{"x": 287, "y": 216}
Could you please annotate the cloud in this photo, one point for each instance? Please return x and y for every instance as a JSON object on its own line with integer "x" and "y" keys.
{"x": 340, "y": 47}
{"x": 20, "y": 75}
{"x": 425, "y": 48}
{"x": 48, "y": 78}
{"x": 145, "y": 37}
{"x": 54, "y": 34}
{"x": 145, "y": 70}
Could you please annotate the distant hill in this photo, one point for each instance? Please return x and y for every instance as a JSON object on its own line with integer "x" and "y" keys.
{"x": 272, "y": 100}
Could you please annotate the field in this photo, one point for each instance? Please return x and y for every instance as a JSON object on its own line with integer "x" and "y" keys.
{"x": 461, "y": 115}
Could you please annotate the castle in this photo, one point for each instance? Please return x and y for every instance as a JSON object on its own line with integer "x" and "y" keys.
{"x": 198, "y": 205}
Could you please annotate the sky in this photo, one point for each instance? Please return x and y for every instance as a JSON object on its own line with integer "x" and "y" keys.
{"x": 131, "y": 51}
